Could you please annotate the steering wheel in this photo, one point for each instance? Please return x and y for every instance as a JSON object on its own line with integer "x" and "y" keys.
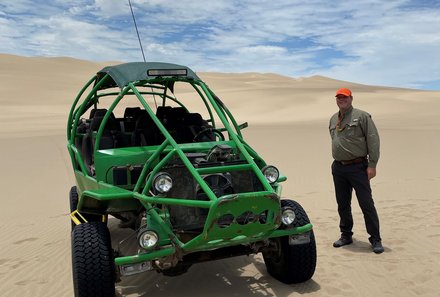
{"x": 210, "y": 130}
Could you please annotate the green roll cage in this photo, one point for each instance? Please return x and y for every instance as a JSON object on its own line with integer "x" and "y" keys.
{"x": 99, "y": 196}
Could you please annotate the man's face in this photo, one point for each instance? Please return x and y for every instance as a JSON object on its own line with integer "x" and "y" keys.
{"x": 344, "y": 102}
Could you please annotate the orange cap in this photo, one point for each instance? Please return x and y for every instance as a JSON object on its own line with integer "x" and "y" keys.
{"x": 343, "y": 91}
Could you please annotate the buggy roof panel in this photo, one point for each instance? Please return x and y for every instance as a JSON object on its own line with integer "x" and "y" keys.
{"x": 124, "y": 74}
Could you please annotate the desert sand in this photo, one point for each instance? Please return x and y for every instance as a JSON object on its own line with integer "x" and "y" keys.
{"x": 288, "y": 120}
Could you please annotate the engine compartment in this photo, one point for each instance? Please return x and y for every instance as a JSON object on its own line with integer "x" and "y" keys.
{"x": 185, "y": 186}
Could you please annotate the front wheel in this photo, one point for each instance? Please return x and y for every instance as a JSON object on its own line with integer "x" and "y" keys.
{"x": 93, "y": 267}
{"x": 73, "y": 201}
{"x": 292, "y": 263}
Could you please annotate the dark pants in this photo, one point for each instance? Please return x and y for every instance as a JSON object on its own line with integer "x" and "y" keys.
{"x": 349, "y": 177}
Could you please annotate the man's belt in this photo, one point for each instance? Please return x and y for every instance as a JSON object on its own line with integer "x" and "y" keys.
{"x": 353, "y": 161}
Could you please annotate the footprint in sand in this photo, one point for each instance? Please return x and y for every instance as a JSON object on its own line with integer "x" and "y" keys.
{"x": 25, "y": 240}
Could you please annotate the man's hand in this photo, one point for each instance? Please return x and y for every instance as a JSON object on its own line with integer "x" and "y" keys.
{"x": 371, "y": 172}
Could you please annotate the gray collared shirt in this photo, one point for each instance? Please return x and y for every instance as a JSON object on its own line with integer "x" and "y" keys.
{"x": 356, "y": 136}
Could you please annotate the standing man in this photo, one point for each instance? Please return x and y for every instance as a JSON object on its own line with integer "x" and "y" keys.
{"x": 355, "y": 148}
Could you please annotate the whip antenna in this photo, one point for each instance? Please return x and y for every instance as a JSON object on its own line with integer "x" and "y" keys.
{"x": 137, "y": 32}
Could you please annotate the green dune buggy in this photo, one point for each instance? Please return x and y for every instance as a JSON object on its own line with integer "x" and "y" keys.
{"x": 153, "y": 147}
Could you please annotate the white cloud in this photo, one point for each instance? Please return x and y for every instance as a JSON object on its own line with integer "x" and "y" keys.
{"x": 381, "y": 42}
{"x": 111, "y": 8}
{"x": 397, "y": 48}
{"x": 262, "y": 50}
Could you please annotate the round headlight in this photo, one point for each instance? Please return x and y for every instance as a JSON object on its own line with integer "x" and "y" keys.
{"x": 287, "y": 216}
{"x": 163, "y": 182}
{"x": 148, "y": 239}
{"x": 271, "y": 173}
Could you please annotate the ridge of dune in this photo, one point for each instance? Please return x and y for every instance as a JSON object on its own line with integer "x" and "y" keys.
{"x": 254, "y": 97}
{"x": 258, "y": 98}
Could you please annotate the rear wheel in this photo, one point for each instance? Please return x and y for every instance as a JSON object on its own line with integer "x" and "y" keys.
{"x": 292, "y": 263}
{"x": 93, "y": 267}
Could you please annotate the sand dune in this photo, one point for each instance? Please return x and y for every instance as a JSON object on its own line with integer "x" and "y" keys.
{"x": 288, "y": 120}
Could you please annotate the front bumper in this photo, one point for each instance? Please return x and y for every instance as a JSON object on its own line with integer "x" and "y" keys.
{"x": 215, "y": 235}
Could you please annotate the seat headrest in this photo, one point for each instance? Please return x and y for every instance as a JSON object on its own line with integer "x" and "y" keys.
{"x": 178, "y": 113}
{"x": 162, "y": 111}
{"x": 143, "y": 120}
{"x": 131, "y": 112}
{"x": 99, "y": 112}
{"x": 97, "y": 120}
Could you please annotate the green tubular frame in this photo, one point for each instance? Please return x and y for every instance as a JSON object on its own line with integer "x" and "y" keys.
{"x": 212, "y": 235}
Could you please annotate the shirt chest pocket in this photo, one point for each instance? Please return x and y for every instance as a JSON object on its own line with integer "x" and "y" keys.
{"x": 332, "y": 129}
{"x": 353, "y": 129}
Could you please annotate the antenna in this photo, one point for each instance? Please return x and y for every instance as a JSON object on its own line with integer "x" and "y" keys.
{"x": 140, "y": 43}
{"x": 137, "y": 32}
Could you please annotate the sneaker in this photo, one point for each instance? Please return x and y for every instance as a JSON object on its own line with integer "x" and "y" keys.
{"x": 342, "y": 241}
{"x": 377, "y": 247}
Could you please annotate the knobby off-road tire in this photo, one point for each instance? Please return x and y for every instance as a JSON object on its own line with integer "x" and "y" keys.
{"x": 292, "y": 263}
{"x": 93, "y": 265}
{"x": 73, "y": 201}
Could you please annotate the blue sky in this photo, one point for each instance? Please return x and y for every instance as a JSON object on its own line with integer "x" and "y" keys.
{"x": 377, "y": 42}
